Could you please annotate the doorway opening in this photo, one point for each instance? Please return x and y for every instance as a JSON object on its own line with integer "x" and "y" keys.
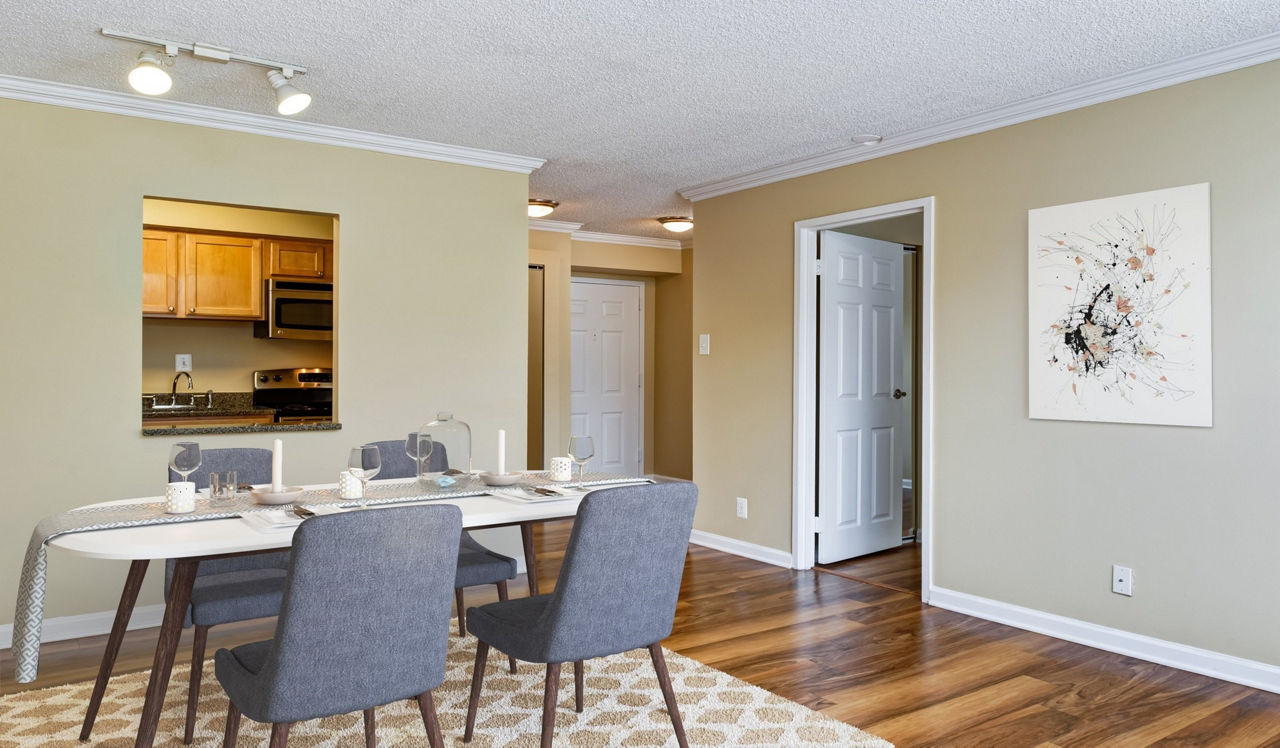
{"x": 852, "y": 382}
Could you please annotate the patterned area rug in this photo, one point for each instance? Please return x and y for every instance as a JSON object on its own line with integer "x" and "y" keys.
{"x": 622, "y": 706}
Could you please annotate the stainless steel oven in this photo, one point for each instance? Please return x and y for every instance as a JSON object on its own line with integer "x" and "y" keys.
{"x": 297, "y": 310}
{"x": 297, "y": 395}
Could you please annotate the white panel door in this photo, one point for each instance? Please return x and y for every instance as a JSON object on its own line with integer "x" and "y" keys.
{"x": 859, "y": 398}
{"x": 605, "y": 373}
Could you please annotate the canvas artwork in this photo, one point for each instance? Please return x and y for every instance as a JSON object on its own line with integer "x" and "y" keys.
{"x": 1120, "y": 315}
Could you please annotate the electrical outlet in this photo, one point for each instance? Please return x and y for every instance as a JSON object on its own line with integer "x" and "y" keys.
{"x": 1122, "y": 580}
{"x": 182, "y": 362}
{"x": 704, "y": 344}
{"x": 742, "y": 508}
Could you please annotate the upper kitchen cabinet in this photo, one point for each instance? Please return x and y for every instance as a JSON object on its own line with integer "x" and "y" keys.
{"x": 301, "y": 260}
{"x": 201, "y": 276}
{"x": 223, "y": 276}
{"x": 160, "y": 273}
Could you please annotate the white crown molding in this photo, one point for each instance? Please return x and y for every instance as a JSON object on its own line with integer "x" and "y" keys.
{"x": 1194, "y": 659}
{"x": 1202, "y": 65}
{"x": 635, "y": 241}
{"x": 111, "y": 102}
{"x": 741, "y": 548}
{"x": 546, "y": 224}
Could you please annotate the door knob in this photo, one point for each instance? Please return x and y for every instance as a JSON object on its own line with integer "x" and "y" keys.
{"x": 898, "y": 394}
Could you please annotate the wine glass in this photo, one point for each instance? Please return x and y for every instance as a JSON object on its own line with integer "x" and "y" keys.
{"x": 418, "y": 447}
{"x": 184, "y": 458}
{"x": 581, "y": 450}
{"x": 364, "y": 463}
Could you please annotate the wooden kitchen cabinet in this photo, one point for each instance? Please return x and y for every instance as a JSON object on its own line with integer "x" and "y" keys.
{"x": 223, "y": 276}
{"x": 201, "y": 276}
{"x": 195, "y": 420}
{"x": 299, "y": 259}
{"x": 159, "y": 273}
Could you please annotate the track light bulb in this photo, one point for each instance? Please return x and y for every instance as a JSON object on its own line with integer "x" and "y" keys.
{"x": 148, "y": 77}
{"x": 289, "y": 100}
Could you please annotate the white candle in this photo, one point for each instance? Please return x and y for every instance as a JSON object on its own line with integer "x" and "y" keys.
{"x": 502, "y": 452}
{"x": 277, "y": 466}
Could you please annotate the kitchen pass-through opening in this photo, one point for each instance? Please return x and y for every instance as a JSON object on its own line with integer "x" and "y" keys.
{"x": 238, "y": 318}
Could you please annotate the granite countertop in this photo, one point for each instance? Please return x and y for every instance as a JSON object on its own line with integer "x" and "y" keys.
{"x": 253, "y": 428}
{"x": 224, "y": 404}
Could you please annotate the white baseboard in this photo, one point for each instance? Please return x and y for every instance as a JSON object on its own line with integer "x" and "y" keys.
{"x": 62, "y": 628}
{"x": 742, "y": 548}
{"x": 1205, "y": 662}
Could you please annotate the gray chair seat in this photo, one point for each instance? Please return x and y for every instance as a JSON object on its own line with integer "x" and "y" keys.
{"x": 509, "y": 624}
{"x": 251, "y": 657}
{"x": 236, "y": 596}
{"x": 479, "y": 565}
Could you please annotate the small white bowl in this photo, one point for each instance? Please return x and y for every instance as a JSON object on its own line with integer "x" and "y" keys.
{"x": 500, "y": 479}
{"x": 287, "y": 495}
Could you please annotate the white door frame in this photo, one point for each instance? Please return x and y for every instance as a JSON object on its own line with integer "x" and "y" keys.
{"x": 804, "y": 436}
{"x": 643, "y": 384}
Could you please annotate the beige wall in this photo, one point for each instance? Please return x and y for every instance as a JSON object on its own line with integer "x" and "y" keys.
{"x": 1027, "y": 512}
{"x": 673, "y": 377}
{"x": 235, "y": 218}
{"x": 563, "y": 257}
{"x": 419, "y": 240}
{"x": 223, "y": 354}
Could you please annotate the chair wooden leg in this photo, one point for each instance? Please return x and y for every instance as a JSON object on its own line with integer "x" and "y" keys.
{"x": 664, "y": 680}
{"x": 577, "y": 686}
{"x": 549, "y": 703}
{"x": 502, "y": 595}
{"x": 233, "y": 726}
{"x": 477, "y": 678}
{"x": 462, "y": 612}
{"x": 370, "y": 730}
{"x": 427, "y": 705}
{"x": 193, "y": 690}
{"x": 279, "y": 734}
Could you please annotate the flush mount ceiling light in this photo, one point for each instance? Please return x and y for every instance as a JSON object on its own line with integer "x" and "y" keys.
{"x": 865, "y": 139}
{"x": 539, "y": 208}
{"x": 149, "y": 76}
{"x": 678, "y": 224}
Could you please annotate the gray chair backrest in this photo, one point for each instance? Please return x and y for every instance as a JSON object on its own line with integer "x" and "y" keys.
{"x": 365, "y": 616}
{"x": 252, "y": 463}
{"x": 621, "y": 574}
{"x": 396, "y": 463}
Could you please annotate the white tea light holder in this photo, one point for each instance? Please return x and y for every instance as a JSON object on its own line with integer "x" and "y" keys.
{"x": 561, "y": 468}
{"x": 349, "y": 486}
{"x": 180, "y": 497}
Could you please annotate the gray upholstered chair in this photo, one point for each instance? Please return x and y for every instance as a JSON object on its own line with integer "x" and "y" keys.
{"x": 617, "y": 591}
{"x": 228, "y": 589}
{"x": 476, "y": 564}
{"x": 365, "y": 622}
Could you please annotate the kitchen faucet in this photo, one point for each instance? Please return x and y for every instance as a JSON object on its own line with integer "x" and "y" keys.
{"x": 173, "y": 391}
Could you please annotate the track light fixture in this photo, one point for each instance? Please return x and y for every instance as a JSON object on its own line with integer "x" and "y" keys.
{"x": 149, "y": 76}
{"x": 678, "y": 224}
{"x": 539, "y": 207}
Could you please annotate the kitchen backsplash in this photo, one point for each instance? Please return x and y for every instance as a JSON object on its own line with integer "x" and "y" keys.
{"x": 224, "y": 354}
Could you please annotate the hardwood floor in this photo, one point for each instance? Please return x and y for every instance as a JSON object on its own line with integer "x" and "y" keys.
{"x": 874, "y": 657}
{"x": 897, "y": 568}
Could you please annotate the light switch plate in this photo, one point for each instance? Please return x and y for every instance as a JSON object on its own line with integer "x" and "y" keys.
{"x": 182, "y": 362}
{"x": 704, "y": 344}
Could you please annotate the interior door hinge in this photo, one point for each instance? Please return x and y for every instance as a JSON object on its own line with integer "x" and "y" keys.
{"x": 817, "y": 267}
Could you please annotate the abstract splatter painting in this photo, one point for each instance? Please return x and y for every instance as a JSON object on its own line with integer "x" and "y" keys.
{"x": 1120, "y": 311}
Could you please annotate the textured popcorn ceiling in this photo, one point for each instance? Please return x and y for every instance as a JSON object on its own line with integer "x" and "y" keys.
{"x": 630, "y": 101}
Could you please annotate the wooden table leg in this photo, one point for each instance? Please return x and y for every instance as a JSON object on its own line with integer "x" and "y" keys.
{"x": 175, "y": 612}
{"x": 530, "y": 562}
{"x": 128, "y": 596}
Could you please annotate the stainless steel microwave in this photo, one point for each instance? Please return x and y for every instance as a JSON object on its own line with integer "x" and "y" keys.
{"x": 297, "y": 310}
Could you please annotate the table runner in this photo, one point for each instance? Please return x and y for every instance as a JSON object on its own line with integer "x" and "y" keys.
{"x": 29, "y": 615}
